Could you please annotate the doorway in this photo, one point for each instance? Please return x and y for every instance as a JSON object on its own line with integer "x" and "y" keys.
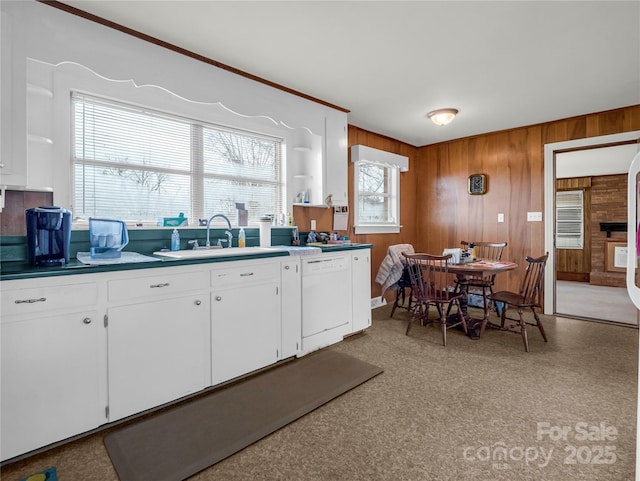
{"x": 605, "y": 160}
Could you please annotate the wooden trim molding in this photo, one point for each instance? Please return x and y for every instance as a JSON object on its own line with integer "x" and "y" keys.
{"x": 183, "y": 51}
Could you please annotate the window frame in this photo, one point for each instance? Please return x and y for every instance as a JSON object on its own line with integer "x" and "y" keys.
{"x": 365, "y": 227}
{"x": 82, "y": 80}
{"x": 580, "y": 240}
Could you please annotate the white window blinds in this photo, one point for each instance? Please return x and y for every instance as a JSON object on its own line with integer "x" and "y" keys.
{"x": 138, "y": 164}
{"x": 569, "y": 220}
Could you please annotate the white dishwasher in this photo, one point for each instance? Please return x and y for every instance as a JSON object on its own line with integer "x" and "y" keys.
{"x": 326, "y": 300}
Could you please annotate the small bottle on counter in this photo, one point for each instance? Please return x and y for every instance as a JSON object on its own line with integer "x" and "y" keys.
{"x": 241, "y": 238}
{"x": 175, "y": 240}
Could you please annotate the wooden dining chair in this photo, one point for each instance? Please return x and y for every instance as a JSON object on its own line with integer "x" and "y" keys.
{"x": 401, "y": 300}
{"x": 528, "y": 297}
{"x": 485, "y": 251}
{"x": 429, "y": 281}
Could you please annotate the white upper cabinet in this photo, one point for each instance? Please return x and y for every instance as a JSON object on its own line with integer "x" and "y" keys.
{"x": 336, "y": 161}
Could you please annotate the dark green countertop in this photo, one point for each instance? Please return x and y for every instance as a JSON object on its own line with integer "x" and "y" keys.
{"x": 22, "y": 270}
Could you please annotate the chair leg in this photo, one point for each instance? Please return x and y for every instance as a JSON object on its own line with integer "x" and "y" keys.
{"x": 399, "y": 292}
{"x": 410, "y": 324}
{"x": 503, "y": 315}
{"x": 523, "y": 331}
{"x": 485, "y": 303}
{"x": 539, "y": 324}
{"x": 455, "y": 291}
{"x": 443, "y": 325}
{"x": 461, "y": 316}
{"x": 418, "y": 311}
{"x": 495, "y": 303}
{"x": 395, "y": 305}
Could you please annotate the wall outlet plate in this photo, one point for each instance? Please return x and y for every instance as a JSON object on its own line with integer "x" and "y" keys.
{"x": 313, "y": 224}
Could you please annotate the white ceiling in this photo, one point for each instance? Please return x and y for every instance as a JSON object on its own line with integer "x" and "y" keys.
{"x": 502, "y": 64}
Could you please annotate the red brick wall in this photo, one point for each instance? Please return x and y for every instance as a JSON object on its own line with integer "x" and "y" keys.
{"x": 608, "y": 204}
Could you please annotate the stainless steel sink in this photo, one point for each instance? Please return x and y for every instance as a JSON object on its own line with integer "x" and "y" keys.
{"x": 205, "y": 253}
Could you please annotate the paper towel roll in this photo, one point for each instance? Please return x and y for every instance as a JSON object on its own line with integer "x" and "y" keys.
{"x": 265, "y": 232}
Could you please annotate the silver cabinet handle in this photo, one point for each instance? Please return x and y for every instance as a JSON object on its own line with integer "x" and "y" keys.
{"x": 246, "y": 274}
{"x": 87, "y": 320}
{"x": 355, "y": 258}
{"x": 30, "y": 301}
{"x": 286, "y": 268}
{"x": 198, "y": 302}
{"x": 165, "y": 284}
{"x": 218, "y": 298}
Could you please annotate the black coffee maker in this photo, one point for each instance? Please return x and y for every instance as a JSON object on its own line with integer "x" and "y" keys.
{"x": 48, "y": 235}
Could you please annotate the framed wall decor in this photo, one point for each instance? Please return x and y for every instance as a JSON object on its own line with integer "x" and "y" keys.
{"x": 477, "y": 184}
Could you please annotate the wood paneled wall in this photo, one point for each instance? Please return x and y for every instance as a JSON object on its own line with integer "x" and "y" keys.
{"x": 408, "y": 209}
{"x": 514, "y": 162}
{"x": 575, "y": 264}
{"x": 12, "y": 221}
{"x": 436, "y": 210}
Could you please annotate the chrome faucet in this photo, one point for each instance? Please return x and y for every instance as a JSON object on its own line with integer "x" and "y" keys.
{"x": 228, "y": 232}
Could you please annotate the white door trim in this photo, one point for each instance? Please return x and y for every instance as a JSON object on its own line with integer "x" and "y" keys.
{"x": 549, "y": 200}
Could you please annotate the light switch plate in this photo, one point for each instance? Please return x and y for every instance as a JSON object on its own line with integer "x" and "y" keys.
{"x": 500, "y": 217}
{"x": 313, "y": 224}
{"x": 534, "y": 216}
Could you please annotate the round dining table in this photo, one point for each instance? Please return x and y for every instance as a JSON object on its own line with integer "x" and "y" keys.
{"x": 477, "y": 268}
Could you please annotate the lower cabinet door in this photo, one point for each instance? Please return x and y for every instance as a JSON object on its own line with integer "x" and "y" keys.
{"x": 361, "y": 279}
{"x": 290, "y": 279}
{"x": 245, "y": 330}
{"x": 158, "y": 352}
{"x": 53, "y": 375}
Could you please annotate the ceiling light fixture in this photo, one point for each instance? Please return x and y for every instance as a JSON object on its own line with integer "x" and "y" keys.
{"x": 442, "y": 116}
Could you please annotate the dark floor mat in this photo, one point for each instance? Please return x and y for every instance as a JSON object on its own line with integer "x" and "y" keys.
{"x": 180, "y": 442}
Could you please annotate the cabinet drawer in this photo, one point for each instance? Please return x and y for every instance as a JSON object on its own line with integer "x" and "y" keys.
{"x": 158, "y": 285}
{"x": 246, "y": 274}
{"x": 47, "y": 298}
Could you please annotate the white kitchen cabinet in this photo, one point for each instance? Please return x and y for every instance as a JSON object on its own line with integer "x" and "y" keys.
{"x": 52, "y": 363}
{"x": 159, "y": 349}
{"x": 13, "y": 148}
{"x": 26, "y": 160}
{"x": 245, "y": 317}
{"x": 291, "y": 302}
{"x": 80, "y": 351}
{"x": 336, "y": 158}
{"x": 320, "y": 167}
{"x": 361, "y": 288}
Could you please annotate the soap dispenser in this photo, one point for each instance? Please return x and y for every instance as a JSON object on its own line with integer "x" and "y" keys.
{"x": 241, "y": 238}
{"x": 175, "y": 240}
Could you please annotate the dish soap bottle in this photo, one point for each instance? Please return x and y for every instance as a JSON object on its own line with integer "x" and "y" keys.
{"x": 175, "y": 240}
{"x": 241, "y": 238}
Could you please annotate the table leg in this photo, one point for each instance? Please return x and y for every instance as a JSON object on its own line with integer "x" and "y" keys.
{"x": 474, "y": 326}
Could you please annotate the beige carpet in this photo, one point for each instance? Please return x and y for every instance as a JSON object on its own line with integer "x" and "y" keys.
{"x": 442, "y": 413}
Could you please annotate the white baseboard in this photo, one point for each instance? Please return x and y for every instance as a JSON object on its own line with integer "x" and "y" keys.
{"x": 378, "y": 302}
